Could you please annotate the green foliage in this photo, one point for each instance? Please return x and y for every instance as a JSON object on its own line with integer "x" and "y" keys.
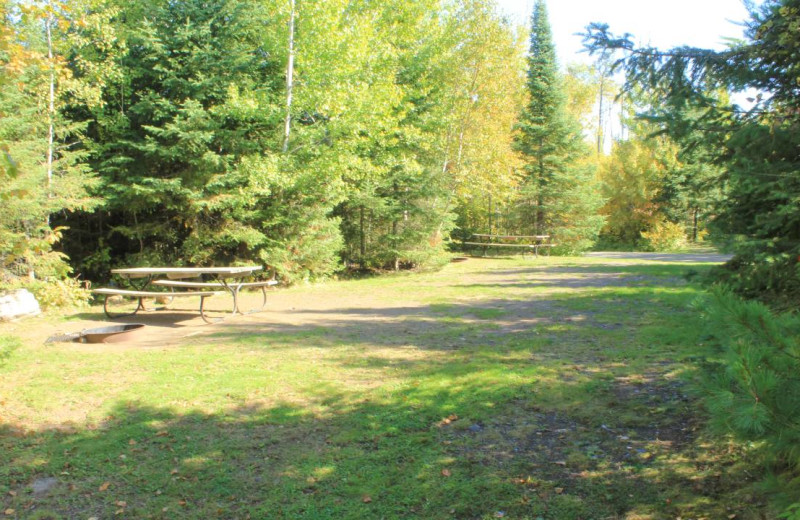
{"x": 754, "y": 391}
{"x": 179, "y": 129}
{"x": 792, "y": 512}
{"x": 307, "y": 247}
{"x": 394, "y": 113}
{"x": 648, "y": 179}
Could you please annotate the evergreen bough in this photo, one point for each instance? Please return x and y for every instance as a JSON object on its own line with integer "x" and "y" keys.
{"x": 754, "y": 389}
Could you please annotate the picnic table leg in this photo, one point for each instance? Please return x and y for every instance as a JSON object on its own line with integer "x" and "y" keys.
{"x": 259, "y": 309}
{"x": 234, "y": 295}
{"x": 139, "y": 306}
{"x": 203, "y": 312}
{"x": 235, "y": 291}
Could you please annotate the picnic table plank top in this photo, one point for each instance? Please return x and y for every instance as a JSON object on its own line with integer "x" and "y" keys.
{"x": 185, "y": 272}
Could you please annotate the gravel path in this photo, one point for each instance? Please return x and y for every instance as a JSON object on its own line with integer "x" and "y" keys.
{"x": 662, "y": 257}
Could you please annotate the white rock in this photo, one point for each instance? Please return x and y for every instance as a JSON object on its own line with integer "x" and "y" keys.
{"x": 15, "y": 304}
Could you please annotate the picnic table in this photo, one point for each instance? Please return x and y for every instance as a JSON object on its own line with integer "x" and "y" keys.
{"x": 182, "y": 282}
{"x": 523, "y": 243}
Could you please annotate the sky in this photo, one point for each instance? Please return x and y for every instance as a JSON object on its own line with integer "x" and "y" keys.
{"x": 662, "y": 23}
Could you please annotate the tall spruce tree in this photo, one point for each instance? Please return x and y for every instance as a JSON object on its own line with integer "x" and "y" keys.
{"x": 558, "y": 196}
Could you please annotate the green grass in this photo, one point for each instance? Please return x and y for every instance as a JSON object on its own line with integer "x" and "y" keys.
{"x": 550, "y": 388}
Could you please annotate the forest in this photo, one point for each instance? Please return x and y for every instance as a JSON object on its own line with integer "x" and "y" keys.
{"x": 322, "y": 138}
{"x": 203, "y": 132}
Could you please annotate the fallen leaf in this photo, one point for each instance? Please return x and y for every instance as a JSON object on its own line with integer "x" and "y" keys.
{"x": 448, "y": 420}
{"x": 173, "y": 472}
{"x": 162, "y": 434}
{"x": 104, "y": 486}
{"x": 181, "y": 502}
{"x": 12, "y": 493}
{"x": 121, "y": 503}
{"x": 446, "y": 472}
{"x": 132, "y": 442}
{"x": 366, "y": 499}
{"x": 9, "y": 511}
{"x": 559, "y": 490}
{"x": 560, "y": 463}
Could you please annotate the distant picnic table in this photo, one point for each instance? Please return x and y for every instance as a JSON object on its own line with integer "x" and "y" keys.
{"x": 202, "y": 282}
{"x": 522, "y": 243}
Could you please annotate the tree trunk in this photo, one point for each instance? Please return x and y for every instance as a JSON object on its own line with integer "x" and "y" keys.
{"x": 363, "y": 236}
{"x": 600, "y": 136}
{"x": 51, "y": 106}
{"x": 289, "y": 80}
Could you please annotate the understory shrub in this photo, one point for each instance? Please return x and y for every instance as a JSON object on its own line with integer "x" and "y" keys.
{"x": 664, "y": 236}
{"x": 56, "y": 294}
{"x": 767, "y": 272}
{"x": 754, "y": 384}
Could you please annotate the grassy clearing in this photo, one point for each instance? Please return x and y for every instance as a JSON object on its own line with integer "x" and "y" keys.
{"x": 555, "y": 388}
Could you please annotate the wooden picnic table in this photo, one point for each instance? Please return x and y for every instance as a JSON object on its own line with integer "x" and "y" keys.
{"x": 524, "y": 243}
{"x": 211, "y": 280}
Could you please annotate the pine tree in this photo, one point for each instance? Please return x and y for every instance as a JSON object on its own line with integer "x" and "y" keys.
{"x": 753, "y": 391}
{"x": 558, "y": 195}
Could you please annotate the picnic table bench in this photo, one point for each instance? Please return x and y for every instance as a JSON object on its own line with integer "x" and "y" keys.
{"x": 523, "y": 243}
{"x": 211, "y": 281}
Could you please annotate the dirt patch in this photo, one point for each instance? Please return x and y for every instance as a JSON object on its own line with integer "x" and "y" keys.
{"x": 663, "y": 257}
{"x": 361, "y": 307}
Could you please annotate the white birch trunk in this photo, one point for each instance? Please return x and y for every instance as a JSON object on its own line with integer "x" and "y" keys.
{"x": 289, "y": 79}
{"x": 51, "y": 107}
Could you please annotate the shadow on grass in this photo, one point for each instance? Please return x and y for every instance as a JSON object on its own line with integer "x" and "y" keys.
{"x": 169, "y": 318}
{"x": 471, "y": 453}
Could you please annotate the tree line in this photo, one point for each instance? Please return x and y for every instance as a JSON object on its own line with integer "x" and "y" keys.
{"x": 166, "y": 132}
{"x": 317, "y": 136}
